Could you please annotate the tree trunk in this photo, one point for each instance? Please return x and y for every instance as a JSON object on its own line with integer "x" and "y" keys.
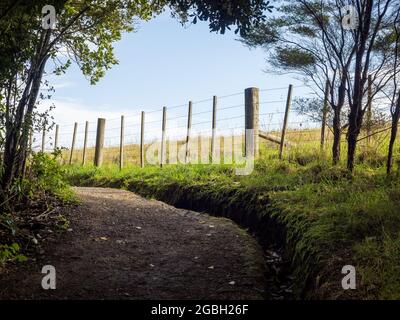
{"x": 355, "y": 123}
{"x": 337, "y": 126}
{"x": 393, "y": 136}
{"x": 9, "y": 158}
{"x": 360, "y": 78}
{"x": 17, "y": 131}
{"x": 13, "y": 134}
{"x": 337, "y": 133}
{"x": 23, "y": 152}
{"x": 351, "y": 150}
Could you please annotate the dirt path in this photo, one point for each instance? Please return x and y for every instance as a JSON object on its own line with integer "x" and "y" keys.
{"x": 125, "y": 247}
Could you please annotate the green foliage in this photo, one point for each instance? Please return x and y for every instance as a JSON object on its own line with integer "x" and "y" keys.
{"x": 97, "y": 25}
{"x": 330, "y": 218}
{"x": 380, "y": 265}
{"x": 47, "y": 176}
{"x": 293, "y": 58}
{"x": 44, "y": 181}
{"x": 10, "y": 253}
{"x": 7, "y": 221}
{"x": 222, "y": 14}
{"x": 62, "y": 222}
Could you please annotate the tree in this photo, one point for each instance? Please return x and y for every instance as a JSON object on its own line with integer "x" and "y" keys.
{"x": 320, "y": 41}
{"x": 308, "y": 40}
{"x": 21, "y": 69}
{"x": 86, "y": 30}
{"x": 375, "y": 20}
{"x": 392, "y": 43}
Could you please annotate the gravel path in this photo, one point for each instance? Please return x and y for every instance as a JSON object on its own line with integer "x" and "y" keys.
{"x": 123, "y": 246}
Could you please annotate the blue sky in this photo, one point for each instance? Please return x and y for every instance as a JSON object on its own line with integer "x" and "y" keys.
{"x": 164, "y": 63}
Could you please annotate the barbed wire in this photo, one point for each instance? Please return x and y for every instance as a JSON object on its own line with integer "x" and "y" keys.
{"x": 283, "y": 88}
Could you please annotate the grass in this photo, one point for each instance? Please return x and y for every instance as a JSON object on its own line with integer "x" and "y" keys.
{"x": 338, "y": 222}
{"x": 304, "y": 144}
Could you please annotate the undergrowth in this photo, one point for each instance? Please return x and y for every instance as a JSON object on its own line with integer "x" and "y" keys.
{"x": 43, "y": 188}
{"x": 11, "y": 253}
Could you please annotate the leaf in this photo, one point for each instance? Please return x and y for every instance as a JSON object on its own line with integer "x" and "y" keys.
{"x": 15, "y": 247}
{"x": 21, "y": 258}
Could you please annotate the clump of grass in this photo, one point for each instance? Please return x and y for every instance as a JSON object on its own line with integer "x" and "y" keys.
{"x": 10, "y": 253}
{"x": 304, "y": 158}
{"x": 371, "y": 157}
{"x": 379, "y": 260}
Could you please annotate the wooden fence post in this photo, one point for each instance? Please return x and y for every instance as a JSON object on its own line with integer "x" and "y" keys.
{"x": 369, "y": 110}
{"x": 73, "y": 142}
{"x": 142, "y": 140}
{"x": 85, "y": 143}
{"x": 56, "y": 137}
{"x": 44, "y": 138}
{"x": 98, "y": 155}
{"x": 252, "y": 106}
{"x": 214, "y": 128}
{"x": 163, "y": 128}
{"x": 324, "y": 115}
{"x": 189, "y": 128}
{"x": 121, "y": 144}
{"x": 285, "y": 121}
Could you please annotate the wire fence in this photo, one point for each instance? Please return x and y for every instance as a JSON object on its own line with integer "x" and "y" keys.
{"x": 229, "y": 112}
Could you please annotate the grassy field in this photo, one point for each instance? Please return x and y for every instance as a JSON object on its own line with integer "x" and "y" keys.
{"x": 303, "y": 143}
{"x": 326, "y": 218}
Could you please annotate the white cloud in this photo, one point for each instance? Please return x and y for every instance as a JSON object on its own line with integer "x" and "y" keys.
{"x": 62, "y": 85}
{"x": 67, "y": 111}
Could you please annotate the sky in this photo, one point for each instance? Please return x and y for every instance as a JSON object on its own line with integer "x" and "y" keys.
{"x": 166, "y": 64}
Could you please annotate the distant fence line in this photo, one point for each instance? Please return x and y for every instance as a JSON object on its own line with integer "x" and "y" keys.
{"x": 252, "y": 128}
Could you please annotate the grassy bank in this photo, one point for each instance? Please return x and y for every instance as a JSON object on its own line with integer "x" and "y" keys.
{"x": 323, "y": 218}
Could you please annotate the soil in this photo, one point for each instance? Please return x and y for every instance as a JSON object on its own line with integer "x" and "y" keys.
{"x": 121, "y": 246}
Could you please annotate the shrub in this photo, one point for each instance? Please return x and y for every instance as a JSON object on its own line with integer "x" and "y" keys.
{"x": 46, "y": 175}
{"x": 10, "y": 253}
